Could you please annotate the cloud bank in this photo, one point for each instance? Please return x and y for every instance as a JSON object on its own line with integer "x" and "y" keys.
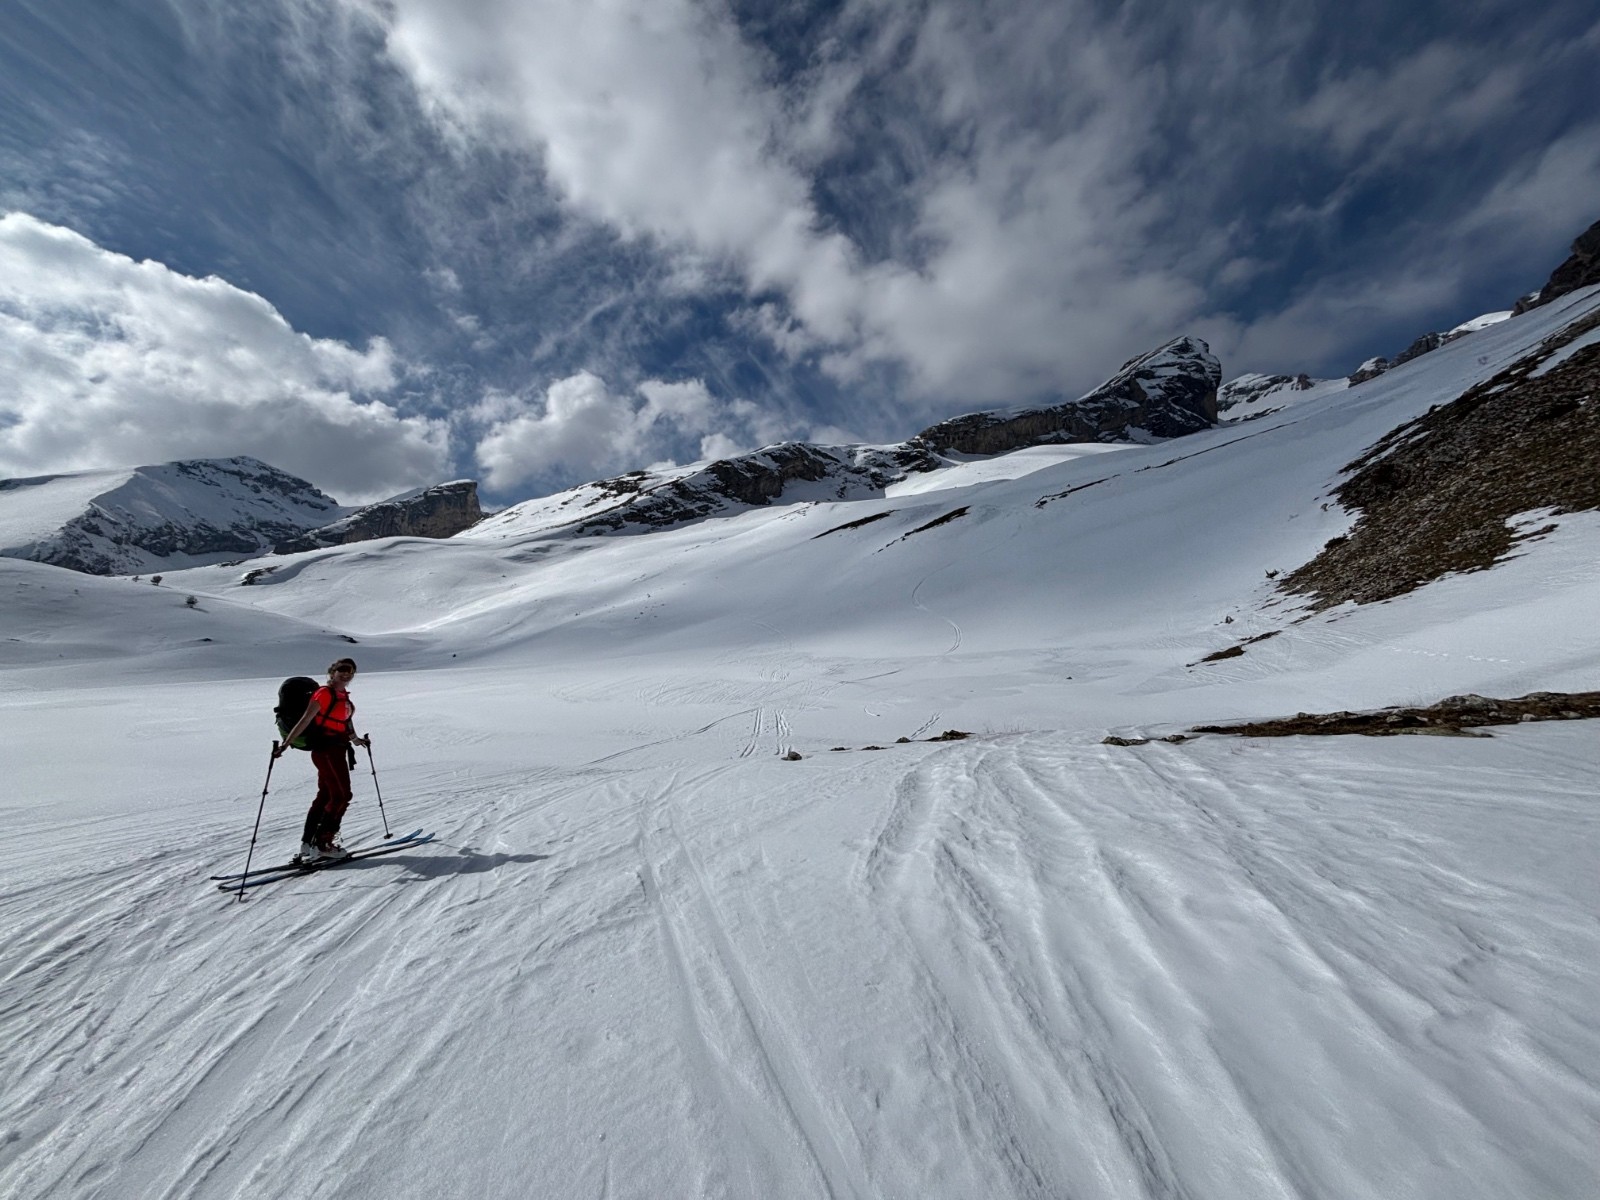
{"x": 581, "y": 426}
{"x": 117, "y": 362}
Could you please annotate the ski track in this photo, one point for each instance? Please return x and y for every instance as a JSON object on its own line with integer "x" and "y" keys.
{"x": 743, "y": 1053}
{"x": 956, "y": 635}
{"x": 1055, "y": 951}
{"x": 1044, "y": 968}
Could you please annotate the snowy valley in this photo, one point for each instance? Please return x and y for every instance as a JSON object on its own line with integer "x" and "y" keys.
{"x": 716, "y": 908}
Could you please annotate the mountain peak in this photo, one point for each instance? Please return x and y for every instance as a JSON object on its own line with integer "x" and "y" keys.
{"x": 1167, "y": 392}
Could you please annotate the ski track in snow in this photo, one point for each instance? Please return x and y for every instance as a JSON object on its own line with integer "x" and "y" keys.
{"x": 1064, "y": 906}
{"x": 1042, "y": 967}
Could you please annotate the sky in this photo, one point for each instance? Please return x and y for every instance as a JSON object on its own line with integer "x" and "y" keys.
{"x": 537, "y": 242}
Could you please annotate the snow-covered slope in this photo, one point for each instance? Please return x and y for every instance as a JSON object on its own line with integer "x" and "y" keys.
{"x": 649, "y": 955}
{"x": 1251, "y": 396}
{"x": 138, "y": 519}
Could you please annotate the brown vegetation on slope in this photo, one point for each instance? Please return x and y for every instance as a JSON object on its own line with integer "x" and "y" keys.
{"x": 1451, "y": 715}
{"x": 1436, "y": 495}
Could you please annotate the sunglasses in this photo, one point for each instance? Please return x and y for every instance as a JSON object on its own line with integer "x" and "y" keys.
{"x": 343, "y": 671}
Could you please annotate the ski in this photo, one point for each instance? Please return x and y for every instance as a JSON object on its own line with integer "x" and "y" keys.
{"x": 294, "y": 864}
{"x": 283, "y": 870}
{"x": 294, "y": 872}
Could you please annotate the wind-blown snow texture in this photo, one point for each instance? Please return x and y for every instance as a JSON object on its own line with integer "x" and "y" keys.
{"x": 648, "y": 957}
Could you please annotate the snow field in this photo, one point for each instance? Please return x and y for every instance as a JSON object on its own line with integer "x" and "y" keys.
{"x": 1028, "y": 964}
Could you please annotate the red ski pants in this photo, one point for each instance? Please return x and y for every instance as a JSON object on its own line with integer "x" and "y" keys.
{"x": 333, "y": 795}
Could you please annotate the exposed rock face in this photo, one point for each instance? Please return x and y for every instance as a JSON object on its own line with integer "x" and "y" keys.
{"x": 1453, "y": 714}
{"x": 189, "y": 513}
{"x": 1580, "y": 270}
{"x": 1450, "y": 491}
{"x": 1168, "y": 392}
{"x": 435, "y": 512}
{"x": 1423, "y": 345}
{"x": 750, "y": 480}
{"x": 1370, "y": 369}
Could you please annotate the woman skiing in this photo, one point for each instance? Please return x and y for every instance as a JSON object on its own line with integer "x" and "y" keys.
{"x": 329, "y": 722}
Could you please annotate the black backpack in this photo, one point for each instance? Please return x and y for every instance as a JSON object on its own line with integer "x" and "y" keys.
{"x": 293, "y": 696}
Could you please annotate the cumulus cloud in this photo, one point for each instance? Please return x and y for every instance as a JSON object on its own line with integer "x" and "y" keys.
{"x": 112, "y": 361}
{"x": 580, "y": 426}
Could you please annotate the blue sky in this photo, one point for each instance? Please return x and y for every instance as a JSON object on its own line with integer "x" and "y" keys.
{"x": 380, "y": 244}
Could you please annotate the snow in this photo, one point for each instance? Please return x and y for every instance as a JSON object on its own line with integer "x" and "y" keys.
{"x": 648, "y": 957}
{"x": 34, "y": 509}
{"x": 1578, "y": 343}
{"x": 1005, "y": 466}
{"x": 225, "y": 494}
{"x": 1483, "y": 322}
{"x": 1283, "y": 395}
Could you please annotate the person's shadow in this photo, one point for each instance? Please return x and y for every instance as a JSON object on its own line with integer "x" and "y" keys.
{"x": 465, "y": 861}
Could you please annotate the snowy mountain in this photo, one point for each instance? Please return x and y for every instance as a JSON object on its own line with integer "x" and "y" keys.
{"x": 193, "y": 513}
{"x": 182, "y": 514}
{"x": 1167, "y": 392}
{"x": 855, "y": 844}
{"x": 125, "y": 522}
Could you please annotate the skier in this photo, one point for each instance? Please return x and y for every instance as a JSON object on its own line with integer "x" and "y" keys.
{"x": 330, "y": 718}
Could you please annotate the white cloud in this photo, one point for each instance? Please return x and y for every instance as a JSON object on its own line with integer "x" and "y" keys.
{"x": 1548, "y": 195}
{"x": 109, "y": 361}
{"x": 654, "y": 117}
{"x": 1441, "y": 94}
{"x": 581, "y": 427}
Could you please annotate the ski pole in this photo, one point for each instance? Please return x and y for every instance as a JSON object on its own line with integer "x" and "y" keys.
{"x": 259, "y": 810}
{"x": 376, "y": 788}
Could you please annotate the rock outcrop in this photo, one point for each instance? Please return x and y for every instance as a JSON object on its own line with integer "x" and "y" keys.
{"x": 1370, "y": 369}
{"x": 1581, "y": 269}
{"x": 1452, "y": 715}
{"x": 1169, "y": 392}
{"x": 435, "y": 512}
{"x": 752, "y": 480}
{"x": 1426, "y": 344}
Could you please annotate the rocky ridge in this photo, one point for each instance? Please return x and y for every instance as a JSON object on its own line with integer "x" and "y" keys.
{"x": 639, "y": 501}
{"x": 1425, "y": 344}
{"x": 1166, "y": 393}
{"x": 1169, "y": 392}
{"x": 1581, "y": 269}
{"x": 435, "y": 512}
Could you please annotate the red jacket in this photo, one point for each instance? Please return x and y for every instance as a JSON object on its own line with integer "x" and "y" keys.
{"x": 335, "y": 713}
